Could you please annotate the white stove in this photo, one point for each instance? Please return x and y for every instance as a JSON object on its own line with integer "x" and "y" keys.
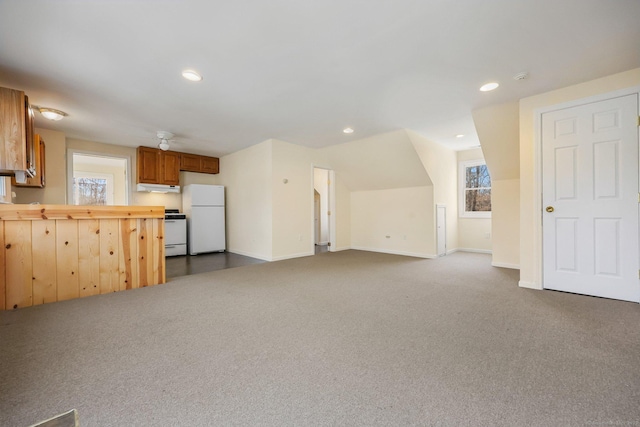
{"x": 175, "y": 233}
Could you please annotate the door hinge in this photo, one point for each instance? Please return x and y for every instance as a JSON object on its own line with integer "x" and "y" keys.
{"x": 329, "y": 212}
{"x": 329, "y": 244}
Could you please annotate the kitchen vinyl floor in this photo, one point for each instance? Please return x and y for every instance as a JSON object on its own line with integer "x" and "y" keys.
{"x": 185, "y": 265}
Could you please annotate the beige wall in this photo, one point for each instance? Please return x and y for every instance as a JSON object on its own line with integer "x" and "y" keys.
{"x": 398, "y": 221}
{"x": 505, "y": 219}
{"x": 499, "y": 133}
{"x": 55, "y": 189}
{"x": 247, "y": 176}
{"x": 343, "y": 215}
{"x": 292, "y": 200}
{"x": 442, "y": 166}
{"x": 530, "y": 210}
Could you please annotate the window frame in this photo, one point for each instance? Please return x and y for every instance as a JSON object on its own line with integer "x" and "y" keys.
{"x": 462, "y": 189}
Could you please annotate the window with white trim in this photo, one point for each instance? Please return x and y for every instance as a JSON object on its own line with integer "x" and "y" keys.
{"x": 92, "y": 188}
{"x": 475, "y": 189}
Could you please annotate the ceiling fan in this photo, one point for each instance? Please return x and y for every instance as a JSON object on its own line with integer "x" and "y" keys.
{"x": 165, "y": 139}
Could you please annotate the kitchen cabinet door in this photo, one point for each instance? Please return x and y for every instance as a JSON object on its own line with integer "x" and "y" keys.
{"x": 189, "y": 162}
{"x": 210, "y": 165}
{"x": 13, "y": 130}
{"x": 148, "y": 163}
{"x": 169, "y": 168}
{"x": 38, "y": 180}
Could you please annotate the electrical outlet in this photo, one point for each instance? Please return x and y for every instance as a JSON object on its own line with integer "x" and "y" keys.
{"x": 487, "y": 235}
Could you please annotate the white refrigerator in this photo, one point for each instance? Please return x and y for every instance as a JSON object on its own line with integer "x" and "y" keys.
{"x": 204, "y": 207}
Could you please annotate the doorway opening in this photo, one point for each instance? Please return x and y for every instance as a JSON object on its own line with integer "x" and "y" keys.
{"x": 96, "y": 179}
{"x": 321, "y": 210}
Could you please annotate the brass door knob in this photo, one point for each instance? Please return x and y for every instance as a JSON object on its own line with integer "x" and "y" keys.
{"x": 550, "y": 209}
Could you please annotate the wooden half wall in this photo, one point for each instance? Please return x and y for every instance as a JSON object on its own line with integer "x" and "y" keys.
{"x": 54, "y": 252}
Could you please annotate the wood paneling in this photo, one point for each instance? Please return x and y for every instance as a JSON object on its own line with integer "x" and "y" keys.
{"x": 128, "y": 254}
{"x": 88, "y": 256}
{"x": 44, "y": 283}
{"x": 145, "y": 252}
{"x": 158, "y": 255}
{"x": 109, "y": 257}
{"x": 3, "y": 283}
{"x": 18, "y": 264}
{"x": 50, "y": 260}
{"x": 67, "y": 259}
{"x": 36, "y": 212}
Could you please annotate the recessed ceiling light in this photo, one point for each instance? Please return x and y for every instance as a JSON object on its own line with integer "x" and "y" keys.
{"x": 191, "y": 75}
{"x": 347, "y": 130}
{"x": 459, "y": 135}
{"x": 52, "y": 114}
{"x": 489, "y": 86}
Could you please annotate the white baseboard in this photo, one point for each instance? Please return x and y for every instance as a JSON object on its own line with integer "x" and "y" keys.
{"x": 298, "y": 255}
{"x": 529, "y": 285}
{"x": 505, "y": 265}
{"x": 322, "y": 243}
{"x": 477, "y": 251}
{"x": 403, "y": 253}
{"x": 249, "y": 254}
{"x": 341, "y": 248}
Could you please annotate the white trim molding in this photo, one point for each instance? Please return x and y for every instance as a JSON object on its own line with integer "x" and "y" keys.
{"x": 529, "y": 285}
{"x": 505, "y": 265}
{"x": 477, "y": 251}
{"x": 403, "y": 253}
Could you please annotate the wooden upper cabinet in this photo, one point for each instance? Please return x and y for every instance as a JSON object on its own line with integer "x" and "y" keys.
{"x": 148, "y": 164}
{"x": 210, "y": 165}
{"x": 158, "y": 167}
{"x": 189, "y": 162}
{"x": 13, "y": 130}
{"x": 169, "y": 168}
{"x": 196, "y": 163}
{"x": 163, "y": 167}
{"x": 38, "y": 180}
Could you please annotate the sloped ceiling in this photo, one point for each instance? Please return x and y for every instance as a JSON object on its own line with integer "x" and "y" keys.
{"x": 378, "y": 163}
{"x": 498, "y": 131}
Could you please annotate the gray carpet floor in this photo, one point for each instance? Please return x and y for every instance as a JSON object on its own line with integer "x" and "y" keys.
{"x": 349, "y": 338}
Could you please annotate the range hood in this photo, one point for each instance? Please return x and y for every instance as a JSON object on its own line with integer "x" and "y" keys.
{"x": 159, "y": 188}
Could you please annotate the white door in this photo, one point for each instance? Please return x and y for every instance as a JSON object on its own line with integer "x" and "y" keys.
{"x": 590, "y": 199}
{"x": 441, "y": 228}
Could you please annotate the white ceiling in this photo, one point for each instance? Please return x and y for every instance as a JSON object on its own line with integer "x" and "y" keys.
{"x": 300, "y": 71}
